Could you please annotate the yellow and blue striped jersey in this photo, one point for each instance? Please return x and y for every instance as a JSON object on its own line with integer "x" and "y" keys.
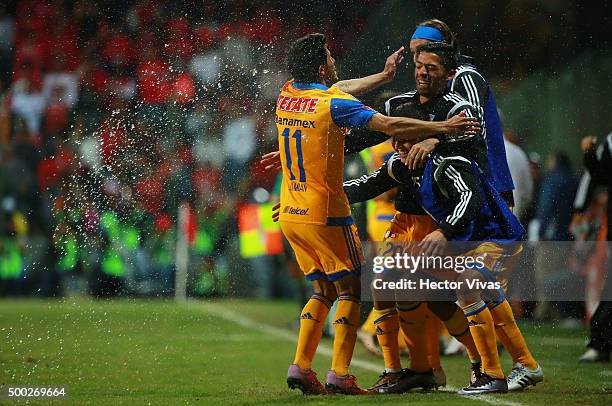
{"x": 311, "y": 120}
{"x": 381, "y": 209}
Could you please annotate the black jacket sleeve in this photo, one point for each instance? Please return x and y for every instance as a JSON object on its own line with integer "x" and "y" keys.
{"x": 599, "y": 162}
{"x": 472, "y": 87}
{"x": 367, "y": 187}
{"x": 455, "y": 179}
{"x": 360, "y": 139}
{"x": 470, "y": 111}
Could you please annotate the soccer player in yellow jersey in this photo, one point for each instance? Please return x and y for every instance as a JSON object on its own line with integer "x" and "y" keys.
{"x": 383, "y": 206}
{"x": 380, "y": 213}
{"x": 315, "y": 217}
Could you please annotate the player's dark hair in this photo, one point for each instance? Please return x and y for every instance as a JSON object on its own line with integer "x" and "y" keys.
{"x": 306, "y": 55}
{"x": 447, "y": 35}
{"x": 447, "y": 53}
{"x": 410, "y": 109}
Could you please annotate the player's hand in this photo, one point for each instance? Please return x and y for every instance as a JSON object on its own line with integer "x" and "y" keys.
{"x": 272, "y": 161}
{"x": 433, "y": 244}
{"x": 462, "y": 125}
{"x": 418, "y": 154}
{"x": 392, "y": 62}
{"x": 588, "y": 144}
{"x": 275, "y": 212}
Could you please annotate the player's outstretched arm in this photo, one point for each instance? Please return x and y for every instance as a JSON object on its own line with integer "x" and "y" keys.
{"x": 355, "y": 142}
{"x": 363, "y": 85}
{"x": 392, "y": 173}
{"x": 271, "y": 161}
{"x": 414, "y": 130}
{"x": 369, "y": 186}
{"x": 276, "y": 212}
{"x": 359, "y": 139}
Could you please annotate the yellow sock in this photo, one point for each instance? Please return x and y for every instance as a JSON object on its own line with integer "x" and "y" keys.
{"x": 457, "y": 327}
{"x": 346, "y": 323}
{"x": 412, "y": 323}
{"x": 368, "y": 325}
{"x": 432, "y": 334}
{"x": 510, "y": 335}
{"x": 402, "y": 341}
{"x": 387, "y": 331}
{"x": 483, "y": 331}
{"x": 312, "y": 318}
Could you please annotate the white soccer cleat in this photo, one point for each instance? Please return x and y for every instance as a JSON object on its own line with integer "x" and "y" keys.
{"x": 521, "y": 378}
{"x": 453, "y": 347}
{"x": 592, "y": 355}
{"x": 485, "y": 384}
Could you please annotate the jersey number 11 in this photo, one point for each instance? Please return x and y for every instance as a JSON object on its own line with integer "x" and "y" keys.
{"x": 298, "y": 146}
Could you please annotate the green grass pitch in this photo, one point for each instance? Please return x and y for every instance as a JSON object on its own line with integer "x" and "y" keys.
{"x": 231, "y": 352}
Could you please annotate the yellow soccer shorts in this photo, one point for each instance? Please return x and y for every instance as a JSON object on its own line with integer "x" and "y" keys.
{"x": 410, "y": 227}
{"x": 379, "y": 218}
{"x": 498, "y": 260}
{"x": 322, "y": 250}
{"x": 406, "y": 230}
{"x": 378, "y": 226}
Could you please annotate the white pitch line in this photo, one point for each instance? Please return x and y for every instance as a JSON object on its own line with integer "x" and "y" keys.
{"x": 215, "y": 310}
{"x": 561, "y": 341}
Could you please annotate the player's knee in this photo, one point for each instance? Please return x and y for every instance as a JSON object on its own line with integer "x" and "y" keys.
{"x": 349, "y": 285}
{"x": 383, "y": 305}
{"x": 325, "y": 288}
{"x": 442, "y": 310}
{"x": 405, "y": 304}
{"x": 327, "y": 298}
{"x": 468, "y": 291}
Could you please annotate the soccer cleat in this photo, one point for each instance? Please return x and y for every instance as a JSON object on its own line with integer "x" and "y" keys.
{"x": 521, "y": 377}
{"x": 453, "y": 347}
{"x": 345, "y": 385}
{"x": 369, "y": 342}
{"x": 485, "y": 384}
{"x": 592, "y": 355}
{"x": 388, "y": 382}
{"x": 413, "y": 379}
{"x": 304, "y": 380}
{"x": 439, "y": 377}
{"x": 476, "y": 371}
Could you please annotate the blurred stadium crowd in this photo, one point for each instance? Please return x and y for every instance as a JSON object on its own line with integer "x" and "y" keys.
{"x": 110, "y": 117}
